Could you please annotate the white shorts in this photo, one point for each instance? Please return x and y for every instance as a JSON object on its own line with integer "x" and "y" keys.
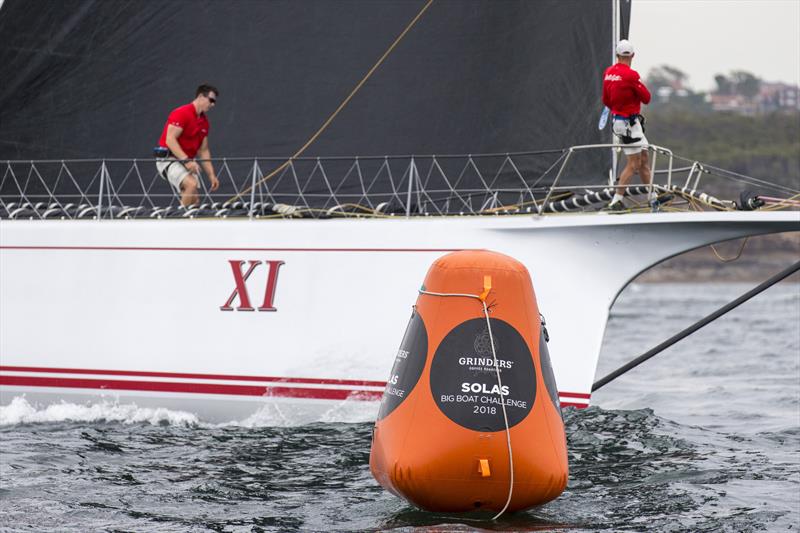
{"x": 175, "y": 171}
{"x": 622, "y": 128}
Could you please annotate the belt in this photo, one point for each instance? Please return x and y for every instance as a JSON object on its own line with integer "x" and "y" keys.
{"x": 161, "y": 152}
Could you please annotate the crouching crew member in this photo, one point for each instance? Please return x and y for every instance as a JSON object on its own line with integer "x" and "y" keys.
{"x": 185, "y": 135}
{"x": 623, "y": 93}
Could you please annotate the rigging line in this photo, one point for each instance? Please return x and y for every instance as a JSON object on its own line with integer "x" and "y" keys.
{"x": 307, "y": 158}
{"x": 693, "y": 200}
{"x": 730, "y": 259}
{"x": 560, "y": 158}
{"x": 741, "y": 178}
{"x": 723, "y": 173}
{"x": 697, "y": 325}
{"x": 776, "y": 206}
{"x": 342, "y": 105}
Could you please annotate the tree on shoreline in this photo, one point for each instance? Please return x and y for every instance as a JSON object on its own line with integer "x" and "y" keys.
{"x": 764, "y": 146}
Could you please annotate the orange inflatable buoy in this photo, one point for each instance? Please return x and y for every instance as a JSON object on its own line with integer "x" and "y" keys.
{"x": 470, "y": 417}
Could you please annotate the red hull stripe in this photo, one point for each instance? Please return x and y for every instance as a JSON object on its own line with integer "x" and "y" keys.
{"x": 201, "y": 388}
{"x": 212, "y": 388}
{"x": 194, "y": 388}
{"x": 199, "y": 249}
{"x": 220, "y": 377}
{"x": 565, "y": 394}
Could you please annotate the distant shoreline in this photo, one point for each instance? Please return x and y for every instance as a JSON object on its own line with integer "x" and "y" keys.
{"x": 762, "y": 256}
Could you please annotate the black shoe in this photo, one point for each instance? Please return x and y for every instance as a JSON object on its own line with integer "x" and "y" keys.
{"x": 615, "y": 207}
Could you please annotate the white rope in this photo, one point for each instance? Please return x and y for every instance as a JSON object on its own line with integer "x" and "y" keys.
{"x": 500, "y": 387}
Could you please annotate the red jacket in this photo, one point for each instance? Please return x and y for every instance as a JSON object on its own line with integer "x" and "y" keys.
{"x": 623, "y": 91}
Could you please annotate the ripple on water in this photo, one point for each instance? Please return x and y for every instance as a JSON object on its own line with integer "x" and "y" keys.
{"x": 629, "y": 470}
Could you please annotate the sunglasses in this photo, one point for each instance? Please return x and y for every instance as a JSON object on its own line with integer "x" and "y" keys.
{"x": 212, "y": 100}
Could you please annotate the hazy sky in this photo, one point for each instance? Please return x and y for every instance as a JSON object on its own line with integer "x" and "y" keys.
{"x": 707, "y": 37}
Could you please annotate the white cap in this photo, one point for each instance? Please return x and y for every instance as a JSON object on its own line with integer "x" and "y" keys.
{"x": 624, "y": 48}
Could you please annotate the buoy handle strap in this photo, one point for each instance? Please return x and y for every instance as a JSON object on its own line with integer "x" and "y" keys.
{"x": 487, "y": 287}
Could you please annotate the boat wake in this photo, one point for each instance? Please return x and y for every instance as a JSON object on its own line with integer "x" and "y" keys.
{"x": 21, "y": 411}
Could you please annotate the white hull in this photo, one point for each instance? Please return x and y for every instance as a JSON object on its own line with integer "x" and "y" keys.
{"x": 137, "y": 310}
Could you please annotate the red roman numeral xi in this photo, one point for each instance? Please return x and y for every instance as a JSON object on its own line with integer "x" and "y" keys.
{"x": 240, "y": 279}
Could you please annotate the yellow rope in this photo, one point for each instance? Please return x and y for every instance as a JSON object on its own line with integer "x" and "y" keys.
{"x": 713, "y": 248}
{"x": 520, "y": 205}
{"x": 341, "y": 106}
{"x": 730, "y": 259}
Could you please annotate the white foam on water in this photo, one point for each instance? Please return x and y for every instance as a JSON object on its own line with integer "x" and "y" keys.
{"x": 19, "y": 411}
{"x": 269, "y": 415}
{"x": 275, "y": 414}
{"x": 349, "y": 411}
{"x": 352, "y": 411}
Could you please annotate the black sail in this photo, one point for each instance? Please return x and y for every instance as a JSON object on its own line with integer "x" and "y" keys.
{"x": 97, "y": 78}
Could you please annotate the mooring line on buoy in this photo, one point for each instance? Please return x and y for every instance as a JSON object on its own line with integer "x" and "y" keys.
{"x": 487, "y": 287}
{"x": 697, "y": 325}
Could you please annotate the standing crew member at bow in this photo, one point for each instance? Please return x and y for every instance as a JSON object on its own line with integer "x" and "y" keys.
{"x": 186, "y": 135}
{"x": 623, "y": 93}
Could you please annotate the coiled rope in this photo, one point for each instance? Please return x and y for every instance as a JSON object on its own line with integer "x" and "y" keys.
{"x": 341, "y": 106}
{"x": 482, "y": 298}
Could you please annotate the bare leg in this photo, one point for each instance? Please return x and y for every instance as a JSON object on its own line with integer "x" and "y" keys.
{"x": 644, "y": 168}
{"x": 189, "y": 191}
{"x": 630, "y": 169}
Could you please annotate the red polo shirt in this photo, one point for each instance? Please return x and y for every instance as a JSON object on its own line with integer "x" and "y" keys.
{"x": 623, "y": 91}
{"x": 195, "y": 129}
